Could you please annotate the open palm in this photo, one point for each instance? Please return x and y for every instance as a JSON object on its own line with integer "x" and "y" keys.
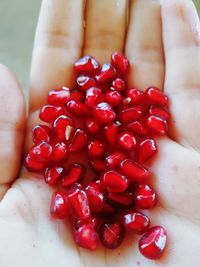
{"x": 28, "y": 236}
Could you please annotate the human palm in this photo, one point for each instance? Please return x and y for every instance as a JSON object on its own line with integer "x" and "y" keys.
{"x": 29, "y": 237}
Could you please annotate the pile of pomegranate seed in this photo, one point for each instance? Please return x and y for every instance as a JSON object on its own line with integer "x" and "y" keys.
{"x": 93, "y": 146}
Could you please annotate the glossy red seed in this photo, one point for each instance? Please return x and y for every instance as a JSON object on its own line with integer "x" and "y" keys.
{"x": 33, "y": 165}
{"x": 93, "y": 96}
{"x": 98, "y": 165}
{"x": 111, "y": 132}
{"x": 114, "y": 159}
{"x": 94, "y": 221}
{"x": 87, "y": 237}
{"x": 78, "y": 203}
{"x": 153, "y": 243}
{"x": 103, "y": 113}
{"x": 59, "y": 153}
{"x": 92, "y": 126}
{"x": 87, "y": 65}
{"x": 59, "y": 207}
{"x": 79, "y": 141}
{"x": 113, "y": 98}
{"x": 96, "y": 148}
{"x": 41, "y": 133}
{"x": 53, "y": 174}
{"x": 130, "y": 114}
{"x": 77, "y": 109}
{"x": 75, "y": 173}
{"x": 77, "y": 96}
{"x": 127, "y": 141}
{"x": 136, "y": 96}
{"x": 120, "y": 62}
{"x": 108, "y": 210}
{"x": 58, "y": 97}
{"x": 136, "y": 222}
{"x": 146, "y": 150}
{"x": 155, "y": 97}
{"x": 159, "y": 112}
{"x": 112, "y": 181}
{"x": 111, "y": 234}
{"x": 96, "y": 197}
{"x": 107, "y": 73}
{"x": 63, "y": 128}
{"x": 41, "y": 152}
{"x": 138, "y": 128}
{"x": 144, "y": 196}
{"x": 156, "y": 125}
{"x": 85, "y": 82}
{"x": 133, "y": 171}
{"x": 123, "y": 199}
{"x": 118, "y": 84}
{"x": 49, "y": 113}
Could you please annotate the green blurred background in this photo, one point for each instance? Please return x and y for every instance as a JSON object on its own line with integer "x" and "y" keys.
{"x": 17, "y": 26}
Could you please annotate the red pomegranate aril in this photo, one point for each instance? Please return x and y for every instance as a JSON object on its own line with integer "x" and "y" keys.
{"x": 119, "y": 85}
{"x": 144, "y": 196}
{"x": 92, "y": 126}
{"x": 137, "y": 128}
{"x": 159, "y": 112}
{"x": 77, "y": 109}
{"x": 98, "y": 165}
{"x": 115, "y": 159}
{"x": 59, "y": 97}
{"x": 108, "y": 210}
{"x": 96, "y": 148}
{"x": 96, "y": 197}
{"x": 93, "y": 96}
{"x": 156, "y": 125}
{"x": 136, "y": 222}
{"x": 114, "y": 182}
{"x": 41, "y": 152}
{"x": 123, "y": 199}
{"x": 87, "y": 237}
{"x": 59, "y": 208}
{"x": 127, "y": 141}
{"x": 85, "y": 82}
{"x": 136, "y": 96}
{"x": 33, "y": 165}
{"x": 79, "y": 141}
{"x": 146, "y": 150}
{"x": 153, "y": 243}
{"x": 111, "y": 234}
{"x": 77, "y": 96}
{"x": 111, "y": 132}
{"x": 155, "y": 97}
{"x": 87, "y": 65}
{"x": 63, "y": 128}
{"x": 113, "y": 98}
{"x": 53, "y": 174}
{"x": 133, "y": 171}
{"x": 49, "y": 113}
{"x": 120, "y": 62}
{"x": 107, "y": 73}
{"x": 78, "y": 203}
{"x": 130, "y": 114}
{"x": 75, "y": 173}
{"x": 41, "y": 133}
{"x": 95, "y": 221}
{"x": 59, "y": 153}
{"x": 104, "y": 113}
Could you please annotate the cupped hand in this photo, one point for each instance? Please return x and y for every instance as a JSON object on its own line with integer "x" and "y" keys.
{"x": 162, "y": 42}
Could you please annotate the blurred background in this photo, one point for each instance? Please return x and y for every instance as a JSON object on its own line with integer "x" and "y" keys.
{"x": 18, "y": 20}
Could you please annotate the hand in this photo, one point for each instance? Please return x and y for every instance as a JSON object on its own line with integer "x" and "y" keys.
{"x": 28, "y": 236}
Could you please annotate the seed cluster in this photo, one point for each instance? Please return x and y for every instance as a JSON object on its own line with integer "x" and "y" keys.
{"x": 93, "y": 145}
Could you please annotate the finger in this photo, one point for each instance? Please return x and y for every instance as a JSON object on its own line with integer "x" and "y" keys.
{"x": 105, "y": 27}
{"x": 144, "y": 44}
{"x": 58, "y": 44}
{"x": 12, "y": 120}
{"x": 181, "y": 35}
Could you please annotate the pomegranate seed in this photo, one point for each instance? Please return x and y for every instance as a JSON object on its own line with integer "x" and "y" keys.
{"x": 111, "y": 234}
{"x": 78, "y": 141}
{"x": 95, "y": 196}
{"x": 133, "y": 171}
{"x": 113, "y": 98}
{"x": 153, "y": 243}
{"x": 136, "y": 96}
{"x": 92, "y": 126}
{"x": 111, "y": 132}
{"x": 87, "y": 65}
{"x": 78, "y": 203}
{"x": 137, "y": 128}
{"x": 107, "y": 73}
{"x": 76, "y": 108}
{"x": 136, "y": 222}
{"x": 146, "y": 150}
{"x": 94, "y": 221}
{"x": 85, "y": 82}
{"x": 108, "y": 210}
{"x": 41, "y": 152}
{"x": 159, "y": 112}
{"x": 59, "y": 97}
{"x": 112, "y": 181}
{"x": 120, "y": 62}
{"x": 145, "y": 197}
{"x": 53, "y": 174}
{"x": 156, "y": 125}
{"x": 75, "y": 173}
{"x": 59, "y": 153}
{"x": 115, "y": 159}
{"x": 104, "y": 113}
{"x": 77, "y": 96}
{"x": 93, "y": 96}
{"x": 49, "y": 113}
{"x": 33, "y": 165}
{"x": 96, "y": 148}
{"x": 98, "y": 164}
{"x": 130, "y": 114}
{"x": 119, "y": 84}
{"x": 41, "y": 133}
{"x": 59, "y": 207}
{"x": 155, "y": 97}
{"x": 124, "y": 199}
{"x": 63, "y": 128}
{"x": 127, "y": 141}
{"x": 87, "y": 237}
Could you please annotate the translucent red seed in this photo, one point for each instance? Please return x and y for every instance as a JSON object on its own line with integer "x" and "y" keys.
{"x": 41, "y": 152}
{"x": 113, "y": 160}
{"x": 107, "y": 73}
{"x": 63, "y": 128}
{"x": 49, "y": 113}
{"x": 41, "y": 133}
{"x": 145, "y": 197}
{"x": 92, "y": 126}
{"x": 156, "y": 125}
{"x": 138, "y": 128}
{"x": 111, "y": 131}
{"x": 159, "y": 112}
{"x": 136, "y": 222}
{"x": 87, "y": 237}
{"x": 77, "y": 109}
{"x": 155, "y": 97}
{"x": 78, "y": 141}
{"x": 118, "y": 84}
{"x": 59, "y": 208}
{"x": 93, "y": 96}
{"x": 87, "y": 65}
{"x": 75, "y": 173}
{"x": 104, "y": 113}
{"x": 96, "y": 148}
{"x": 112, "y": 181}
{"x": 127, "y": 141}
{"x": 58, "y": 97}
{"x": 146, "y": 150}
{"x": 96, "y": 197}
{"x": 33, "y": 165}
{"x": 60, "y": 153}
{"x": 85, "y": 82}
{"x": 124, "y": 199}
{"x": 113, "y": 98}
{"x": 53, "y": 174}
{"x": 130, "y": 114}
{"x": 120, "y": 62}
{"x": 136, "y": 97}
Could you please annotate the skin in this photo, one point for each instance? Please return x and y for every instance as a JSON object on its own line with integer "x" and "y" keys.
{"x": 162, "y": 42}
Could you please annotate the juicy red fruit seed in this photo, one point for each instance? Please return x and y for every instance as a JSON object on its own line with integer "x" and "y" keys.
{"x": 87, "y": 237}
{"x": 145, "y": 197}
{"x": 130, "y": 114}
{"x": 118, "y": 85}
{"x": 49, "y": 113}
{"x": 41, "y": 133}
{"x": 146, "y": 150}
{"x": 53, "y": 174}
{"x": 138, "y": 128}
{"x": 41, "y": 152}
{"x": 156, "y": 125}
{"x": 123, "y": 199}
{"x": 96, "y": 148}
{"x": 103, "y": 113}
{"x": 153, "y": 243}
{"x": 59, "y": 97}
{"x": 92, "y": 126}
{"x": 79, "y": 141}
{"x": 112, "y": 181}
{"x": 33, "y": 165}
{"x": 98, "y": 165}
{"x": 75, "y": 173}
{"x": 59, "y": 207}
{"x": 95, "y": 221}
{"x": 113, "y": 98}
{"x": 136, "y": 96}
{"x": 159, "y": 112}
{"x": 111, "y": 132}
{"x": 87, "y": 65}
{"x": 77, "y": 109}
{"x": 120, "y": 62}
{"x": 155, "y": 97}
{"x": 114, "y": 159}
{"x": 59, "y": 153}
{"x": 63, "y": 128}
{"x": 127, "y": 141}
{"x": 96, "y": 197}
{"x": 93, "y": 96}
{"x": 107, "y": 73}
{"x": 136, "y": 222}
{"x": 85, "y": 82}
